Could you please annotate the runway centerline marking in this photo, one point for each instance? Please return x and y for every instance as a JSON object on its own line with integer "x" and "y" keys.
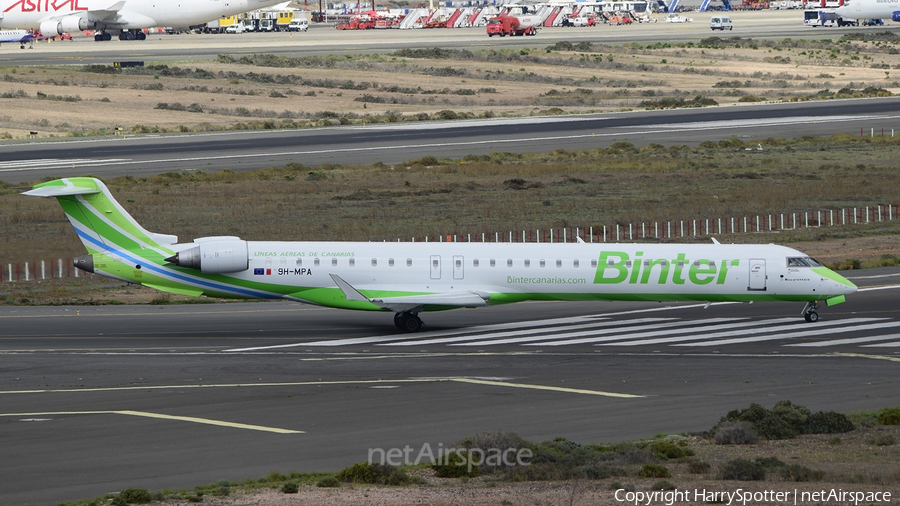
{"x": 147, "y": 414}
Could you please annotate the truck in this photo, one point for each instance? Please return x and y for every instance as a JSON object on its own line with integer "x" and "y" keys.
{"x": 505, "y": 24}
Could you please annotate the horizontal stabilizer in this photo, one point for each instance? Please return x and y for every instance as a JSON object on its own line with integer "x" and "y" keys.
{"x": 412, "y": 302}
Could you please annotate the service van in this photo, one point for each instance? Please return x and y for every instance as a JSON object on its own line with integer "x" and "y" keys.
{"x": 720, "y": 23}
{"x": 298, "y": 25}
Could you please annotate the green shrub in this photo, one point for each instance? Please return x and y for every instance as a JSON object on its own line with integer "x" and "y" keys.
{"x": 455, "y": 465}
{"x": 134, "y": 495}
{"x": 828, "y": 422}
{"x": 290, "y": 488}
{"x": 742, "y": 469}
{"x": 889, "y": 416}
{"x": 663, "y": 485}
{"x": 697, "y": 466}
{"x": 670, "y": 450}
{"x": 796, "y": 472}
{"x": 654, "y": 471}
{"x": 374, "y": 474}
{"x": 735, "y": 433}
{"x": 328, "y": 482}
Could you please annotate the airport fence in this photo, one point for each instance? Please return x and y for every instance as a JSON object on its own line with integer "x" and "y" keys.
{"x": 683, "y": 229}
{"x": 644, "y": 231}
{"x": 40, "y": 270}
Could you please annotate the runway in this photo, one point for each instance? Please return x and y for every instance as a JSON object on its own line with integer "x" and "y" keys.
{"x": 106, "y": 397}
{"x": 397, "y": 143}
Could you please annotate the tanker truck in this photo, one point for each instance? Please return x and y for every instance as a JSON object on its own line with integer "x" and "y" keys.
{"x": 505, "y": 24}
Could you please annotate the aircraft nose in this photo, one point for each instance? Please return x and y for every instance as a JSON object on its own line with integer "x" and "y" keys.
{"x": 844, "y": 285}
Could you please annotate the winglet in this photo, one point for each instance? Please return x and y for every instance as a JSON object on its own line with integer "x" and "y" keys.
{"x": 350, "y": 293}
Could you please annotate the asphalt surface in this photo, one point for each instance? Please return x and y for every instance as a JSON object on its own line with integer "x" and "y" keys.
{"x": 398, "y": 143}
{"x": 96, "y": 399}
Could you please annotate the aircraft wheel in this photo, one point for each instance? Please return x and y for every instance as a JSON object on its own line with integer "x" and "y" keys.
{"x": 409, "y": 322}
{"x": 141, "y": 36}
{"x": 107, "y": 36}
{"x": 811, "y": 316}
{"x": 397, "y": 317}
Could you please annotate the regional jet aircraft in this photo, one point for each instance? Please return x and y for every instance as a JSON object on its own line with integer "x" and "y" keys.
{"x": 20, "y": 36}
{"x": 409, "y": 278}
{"x": 123, "y": 17}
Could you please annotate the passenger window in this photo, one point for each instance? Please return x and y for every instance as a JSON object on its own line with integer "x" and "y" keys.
{"x": 299, "y": 262}
{"x": 374, "y": 262}
{"x": 390, "y": 262}
{"x": 316, "y": 262}
{"x": 558, "y": 263}
{"x": 493, "y": 263}
{"x": 475, "y": 262}
{"x": 409, "y": 262}
{"x": 334, "y": 262}
{"x": 594, "y": 263}
{"x": 352, "y": 262}
{"x": 509, "y": 262}
{"x": 575, "y": 263}
{"x": 527, "y": 263}
{"x": 543, "y": 263}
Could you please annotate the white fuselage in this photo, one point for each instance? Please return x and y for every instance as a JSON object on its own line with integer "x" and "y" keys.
{"x": 121, "y": 14}
{"x": 869, "y": 9}
{"x": 517, "y": 271}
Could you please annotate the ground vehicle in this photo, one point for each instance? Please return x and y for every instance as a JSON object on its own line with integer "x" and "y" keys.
{"x": 620, "y": 19}
{"x": 505, "y": 24}
{"x": 579, "y": 21}
{"x": 720, "y": 23}
{"x": 235, "y": 29}
{"x": 673, "y": 17}
{"x": 266, "y": 25}
{"x": 820, "y": 18}
{"x": 250, "y": 24}
{"x": 298, "y": 25}
{"x": 873, "y": 22}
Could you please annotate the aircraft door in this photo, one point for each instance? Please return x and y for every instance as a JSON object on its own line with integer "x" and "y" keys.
{"x": 435, "y": 267}
{"x": 757, "y": 274}
{"x": 458, "y": 267}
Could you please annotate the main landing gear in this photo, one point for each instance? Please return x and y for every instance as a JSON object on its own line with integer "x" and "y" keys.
{"x": 809, "y": 312}
{"x": 408, "y": 322}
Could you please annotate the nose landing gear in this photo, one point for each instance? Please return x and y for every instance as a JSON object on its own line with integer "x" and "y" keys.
{"x": 809, "y": 312}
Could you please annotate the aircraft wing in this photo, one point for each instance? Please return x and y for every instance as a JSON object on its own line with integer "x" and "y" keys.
{"x": 411, "y": 302}
{"x": 105, "y": 14}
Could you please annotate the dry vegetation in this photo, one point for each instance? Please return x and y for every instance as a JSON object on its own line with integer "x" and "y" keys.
{"x": 265, "y": 91}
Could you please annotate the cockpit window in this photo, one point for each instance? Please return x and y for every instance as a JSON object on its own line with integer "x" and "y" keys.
{"x": 802, "y": 262}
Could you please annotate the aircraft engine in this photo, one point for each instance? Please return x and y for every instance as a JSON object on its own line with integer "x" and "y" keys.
{"x": 51, "y": 28}
{"x": 214, "y": 255}
{"x": 73, "y": 24}
{"x": 895, "y": 16}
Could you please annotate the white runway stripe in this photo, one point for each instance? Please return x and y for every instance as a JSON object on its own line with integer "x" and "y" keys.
{"x": 608, "y": 335}
{"x": 805, "y": 333}
{"x": 895, "y": 344}
{"x": 851, "y": 340}
{"x": 401, "y": 337}
{"x": 545, "y": 331}
{"x": 700, "y": 335}
{"x": 55, "y": 163}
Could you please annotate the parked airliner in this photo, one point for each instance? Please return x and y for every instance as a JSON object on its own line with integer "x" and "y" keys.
{"x": 20, "y": 36}
{"x": 123, "y": 17}
{"x": 410, "y": 278}
{"x": 869, "y": 9}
